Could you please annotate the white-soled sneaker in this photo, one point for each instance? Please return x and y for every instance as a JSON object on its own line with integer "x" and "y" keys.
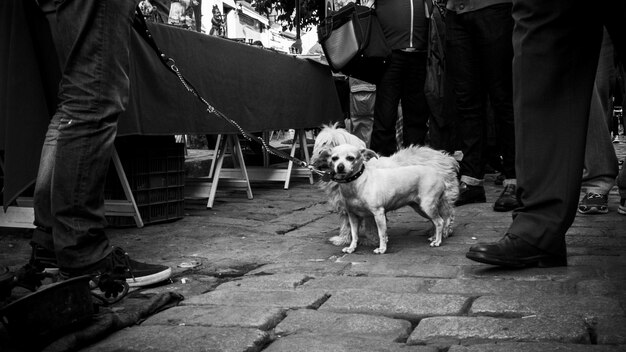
{"x": 118, "y": 264}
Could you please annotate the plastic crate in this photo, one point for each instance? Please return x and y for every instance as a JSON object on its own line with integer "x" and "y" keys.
{"x": 155, "y": 169}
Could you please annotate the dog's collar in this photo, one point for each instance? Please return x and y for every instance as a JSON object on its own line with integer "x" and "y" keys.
{"x": 351, "y": 178}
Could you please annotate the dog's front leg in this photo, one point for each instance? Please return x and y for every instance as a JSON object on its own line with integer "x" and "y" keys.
{"x": 381, "y": 224}
{"x": 354, "y": 230}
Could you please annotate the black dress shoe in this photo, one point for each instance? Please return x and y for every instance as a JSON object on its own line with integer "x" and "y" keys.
{"x": 470, "y": 194}
{"x": 511, "y": 251}
{"x": 507, "y": 200}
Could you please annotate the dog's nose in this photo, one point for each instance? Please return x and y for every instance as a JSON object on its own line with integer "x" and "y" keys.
{"x": 340, "y": 167}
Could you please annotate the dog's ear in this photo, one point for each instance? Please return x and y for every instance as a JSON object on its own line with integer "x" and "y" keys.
{"x": 322, "y": 161}
{"x": 368, "y": 154}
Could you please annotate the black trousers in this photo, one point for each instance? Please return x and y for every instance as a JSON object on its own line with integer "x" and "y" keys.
{"x": 556, "y": 46}
{"x": 403, "y": 80}
{"x": 479, "y": 55}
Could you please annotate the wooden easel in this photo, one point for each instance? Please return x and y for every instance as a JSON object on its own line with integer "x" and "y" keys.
{"x": 238, "y": 179}
{"x": 239, "y": 176}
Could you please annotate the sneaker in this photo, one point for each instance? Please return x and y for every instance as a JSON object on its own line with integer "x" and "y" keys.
{"x": 470, "y": 194}
{"x": 507, "y": 200}
{"x": 593, "y": 203}
{"x": 42, "y": 259}
{"x": 622, "y": 206}
{"x": 616, "y": 139}
{"x": 118, "y": 264}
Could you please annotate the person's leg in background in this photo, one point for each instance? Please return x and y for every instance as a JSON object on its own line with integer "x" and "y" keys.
{"x": 496, "y": 29}
{"x": 552, "y": 93}
{"x": 601, "y": 167}
{"x": 463, "y": 67}
{"x": 415, "y": 111}
{"x": 362, "y": 100}
{"x": 383, "y": 139}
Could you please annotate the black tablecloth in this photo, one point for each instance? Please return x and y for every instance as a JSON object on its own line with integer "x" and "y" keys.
{"x": 259, "y": 88}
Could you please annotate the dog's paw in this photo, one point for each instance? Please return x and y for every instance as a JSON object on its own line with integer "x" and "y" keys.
{"x": 435, "y": 243}
{"x": 380, "y": 250}
{"x": 348, "y": 250}
{"x": 339, "y": 240}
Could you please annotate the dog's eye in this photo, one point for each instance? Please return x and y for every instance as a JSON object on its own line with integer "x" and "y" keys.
{"x": 334, "y": 158}
{"x": 350, "y": 158}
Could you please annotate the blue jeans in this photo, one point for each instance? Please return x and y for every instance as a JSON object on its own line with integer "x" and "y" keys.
{"x": 479, "y": 57}
{"x": 92, "y": 38}
{"x": 402, "y": 81}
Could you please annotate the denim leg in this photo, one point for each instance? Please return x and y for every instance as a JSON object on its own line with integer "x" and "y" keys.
{"x": 93, "y": 43}
{"x": 464, "y": 68}
{"x": 43, "y": 187}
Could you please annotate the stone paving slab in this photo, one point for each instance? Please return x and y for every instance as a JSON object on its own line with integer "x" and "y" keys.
{"x": 476, "y": 287}
{"x": 312, "y": 268}
{"x": 445, "y": 331}
{"x": 183, "y": 339}
{"x": 261, "y": 318}
{"x": 597, "y": 287}
{"x": 281, "y": 299}
{"x": 546, "y": 305}
{"x": 536, "y": 347}
{"x": 610, "y": 330}
{"x": 307, "y": 321}
{"x": 388, "y": 265}
{"x": 331, "y": 343}
{"x": 561, "y": 274}
{"x": 266, "y": 282}
{"x": 375, "y": 283}
{"x": 409, "y": 306}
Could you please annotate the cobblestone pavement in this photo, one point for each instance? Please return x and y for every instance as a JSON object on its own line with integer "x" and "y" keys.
{"x": 270, "y": 280}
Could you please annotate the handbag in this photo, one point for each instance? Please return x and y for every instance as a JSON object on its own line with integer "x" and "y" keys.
{"x": 354, "y": 43}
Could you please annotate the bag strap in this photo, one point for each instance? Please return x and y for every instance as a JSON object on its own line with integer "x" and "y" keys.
{"x": 365, "y": 34}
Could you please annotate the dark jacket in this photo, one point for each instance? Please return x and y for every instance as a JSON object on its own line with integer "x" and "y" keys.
{"x": 404, "y": 23}
{"x": 462, "y": 6}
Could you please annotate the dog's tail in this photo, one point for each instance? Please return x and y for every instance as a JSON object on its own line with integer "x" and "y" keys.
{"x": 445, "y": 164}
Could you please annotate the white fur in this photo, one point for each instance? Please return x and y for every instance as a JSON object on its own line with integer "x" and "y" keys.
{"x": 330, "y": 136}
{"x": 379, "y": 190}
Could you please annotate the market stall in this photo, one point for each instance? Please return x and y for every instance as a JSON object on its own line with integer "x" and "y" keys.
{"x": 259, "y": 88}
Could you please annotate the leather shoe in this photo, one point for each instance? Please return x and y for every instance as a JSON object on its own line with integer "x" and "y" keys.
{"x": 470, "y": 194}
{"x": 507, "y": 200}
{"x": 511, "y": 251}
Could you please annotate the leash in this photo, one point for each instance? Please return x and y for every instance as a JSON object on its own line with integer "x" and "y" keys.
{"x": 139, "y": 23}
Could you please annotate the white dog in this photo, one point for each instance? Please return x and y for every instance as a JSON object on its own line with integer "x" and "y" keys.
{"x": 330, "y": 136}
{"x": 369, "y": 190}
